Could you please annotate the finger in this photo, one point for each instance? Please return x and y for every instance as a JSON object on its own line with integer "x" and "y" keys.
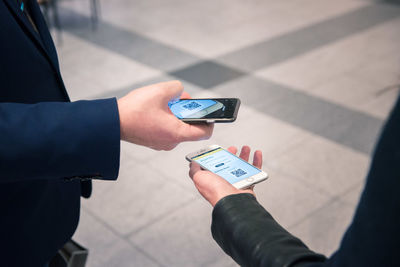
{"x": 257, "y": 160}
{"x": 171, "y": 90}
{"x": 245, "y": 153}
{"x": 232, "y": 149}
{"x": 185, "y": 95}
{"x": 192, "y": 132}
{"x": 194, "y": 168}
{"x": 248, "y": 190}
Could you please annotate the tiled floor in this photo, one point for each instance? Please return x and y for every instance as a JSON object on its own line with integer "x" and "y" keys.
{"x": 316, "y": 80}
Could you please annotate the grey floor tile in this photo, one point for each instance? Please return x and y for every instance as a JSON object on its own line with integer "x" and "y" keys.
{"x": 120, "y": 92}
{"x": 323, "y": 231}
{"x": 128, "y": 43}
{"x": 259, "y": 131}
{"x": 139, "y": 197}
{"x": 209, "y": 28}
{"x": 200, "y": 93}
{"x": 253, "y": 91}
{"x": 352, "y": 72}
{"x": 105, "y": 247}
{"x": 89, "y": 71}
{"x": 352, "y": 196}
{"x": 355, "y": 93}
{"x": 300, "y": 41}
{"x": 382, "y": 105}
{"x": 81, "y": 88}
{"x": 288, "y": 199}
{"x": 183, "y": 238}
{"x": 135, "y": 153}
{"x": 392, "y": 2}
{"x": 307, "y": 71}
{"x": 384, "y": 72}
{"x": 224, "y": 262}
{"x": 348, "y": 127}
{"x": 207, "y": 74}
{"x": 330, "y": 167}
{"x": 116, "y": 71}
{"x": 173, "y": 166}
{"x": 349, "y": 91}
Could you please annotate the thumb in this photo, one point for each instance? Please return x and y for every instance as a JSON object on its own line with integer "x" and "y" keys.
{"x": 185, "y": 95}
{"x": 195, "y": 132}
{"x": 194, "y": 168}
{"x": 171, "y": 90}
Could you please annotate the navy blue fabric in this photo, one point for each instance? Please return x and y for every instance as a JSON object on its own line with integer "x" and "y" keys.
{"x": 47, "y": 143}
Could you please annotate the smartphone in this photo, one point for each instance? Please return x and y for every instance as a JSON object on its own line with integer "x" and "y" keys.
{"x": 205, "y": 110}
{"x": 220, "y": 161}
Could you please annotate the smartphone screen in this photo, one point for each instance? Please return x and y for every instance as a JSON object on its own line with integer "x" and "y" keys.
{"x": 218, "y": 108}
{"x": 194, "y": 108}
{"x": 226, "y": 165}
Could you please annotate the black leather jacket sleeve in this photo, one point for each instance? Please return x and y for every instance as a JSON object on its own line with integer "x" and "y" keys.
{"x": 249, "y": 234}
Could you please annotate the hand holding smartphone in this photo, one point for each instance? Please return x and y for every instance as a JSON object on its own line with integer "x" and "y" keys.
{"x": 205, "y": 110}
{"x": 235, "y": 170}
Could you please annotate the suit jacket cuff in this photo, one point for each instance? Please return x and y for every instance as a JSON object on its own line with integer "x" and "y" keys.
{"x": 102, "y": 145}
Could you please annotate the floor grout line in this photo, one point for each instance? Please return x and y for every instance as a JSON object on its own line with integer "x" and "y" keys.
{"x": 315, "y": 211}
{"x": 157, "y": 219}
{"x": 113, "y": 231}
{"x": 351, "y": 188}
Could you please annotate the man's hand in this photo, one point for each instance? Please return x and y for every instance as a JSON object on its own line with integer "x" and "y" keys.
{"x": 146, "y": 119}
{"x": 212, "y": 187}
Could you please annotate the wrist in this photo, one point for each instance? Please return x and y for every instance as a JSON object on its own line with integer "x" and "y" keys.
{"x": 232, "y": 192}
{"x": 239, "y": 194}
{"x": 122, "y": 119}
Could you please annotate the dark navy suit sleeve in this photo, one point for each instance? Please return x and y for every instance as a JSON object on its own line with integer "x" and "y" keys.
{"x": 59, "y": 140}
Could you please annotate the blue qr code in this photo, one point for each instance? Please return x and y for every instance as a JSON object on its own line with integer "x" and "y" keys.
{"x": 192, "y": 105}
{"x": 238, "y": 172}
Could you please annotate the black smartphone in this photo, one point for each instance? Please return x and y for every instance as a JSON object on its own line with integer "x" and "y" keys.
{"x": 205, "y": 109}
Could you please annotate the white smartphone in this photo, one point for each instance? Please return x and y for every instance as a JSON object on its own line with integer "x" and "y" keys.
{"x": 220, "y": 161}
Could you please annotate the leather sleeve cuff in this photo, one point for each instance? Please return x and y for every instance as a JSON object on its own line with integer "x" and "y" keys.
{"x": 249, "y": 234}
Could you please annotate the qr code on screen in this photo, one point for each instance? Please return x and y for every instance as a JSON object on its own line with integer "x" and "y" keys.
{"x": 238, "y": 172}
{"x": 192, "y": 105}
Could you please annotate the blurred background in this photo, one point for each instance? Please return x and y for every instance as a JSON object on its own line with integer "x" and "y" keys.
{"x": 316, "y": 79}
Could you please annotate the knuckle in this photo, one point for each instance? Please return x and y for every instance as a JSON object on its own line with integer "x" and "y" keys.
{"x": 176, "y": 138}
{"x": 170, "y": 147}
{"x": 178, "y": 135}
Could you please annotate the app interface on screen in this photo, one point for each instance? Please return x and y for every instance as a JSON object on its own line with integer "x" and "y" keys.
{"x": 226, "y": 165}
{"x": 193, "y": 108}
